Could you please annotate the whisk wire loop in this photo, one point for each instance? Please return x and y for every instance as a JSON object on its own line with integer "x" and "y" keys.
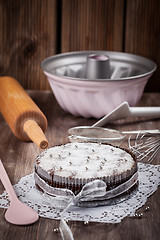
{"x": 144, "y": 148}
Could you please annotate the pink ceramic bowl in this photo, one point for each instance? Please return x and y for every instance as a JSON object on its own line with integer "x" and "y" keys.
{"x": 96, "y": 97}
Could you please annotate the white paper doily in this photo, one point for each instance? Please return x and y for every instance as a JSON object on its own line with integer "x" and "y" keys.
{"x": 48, "y": 207}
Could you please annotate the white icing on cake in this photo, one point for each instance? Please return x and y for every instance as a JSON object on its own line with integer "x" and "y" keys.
{"x": 83, "y": 161}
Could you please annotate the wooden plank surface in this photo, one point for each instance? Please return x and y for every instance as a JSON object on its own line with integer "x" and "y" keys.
{"x": 27, "y": 36}
{"x": 18, "y": 158}
{"x": 92, "y": 25}
{"x": 142, "y": 34}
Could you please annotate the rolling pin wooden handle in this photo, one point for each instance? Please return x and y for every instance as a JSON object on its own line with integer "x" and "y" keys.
{"x": 35, "y": 133}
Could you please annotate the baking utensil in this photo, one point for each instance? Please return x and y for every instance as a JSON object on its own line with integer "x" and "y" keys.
{"x": 23, "y": 116}
{"x": 103, "y": 135}
{"x": 17, "y": 213}
{"x": 96, "y": 133}
{"x": 145, "y": 149}
{"x": 83, "y": 95}
{"x": 124, "y": 110}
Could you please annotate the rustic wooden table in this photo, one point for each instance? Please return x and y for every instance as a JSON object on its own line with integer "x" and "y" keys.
{"x": 18, "y": 158}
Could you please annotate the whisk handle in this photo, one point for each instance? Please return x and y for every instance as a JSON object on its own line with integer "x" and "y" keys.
{"x": 152, "y": 132}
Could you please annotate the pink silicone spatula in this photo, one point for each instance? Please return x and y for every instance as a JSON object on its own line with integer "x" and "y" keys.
{"x": 17, "y": 213}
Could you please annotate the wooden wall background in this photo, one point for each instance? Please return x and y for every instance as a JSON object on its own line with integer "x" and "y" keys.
{"x": 31, "y": 30}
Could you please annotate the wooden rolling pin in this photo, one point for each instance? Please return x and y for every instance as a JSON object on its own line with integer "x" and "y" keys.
{"x": 23, "y": 116}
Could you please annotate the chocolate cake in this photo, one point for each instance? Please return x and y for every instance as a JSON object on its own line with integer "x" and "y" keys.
{"x": 74, "y": 164}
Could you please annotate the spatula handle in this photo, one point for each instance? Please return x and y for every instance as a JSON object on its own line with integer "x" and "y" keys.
{"x": 145, "y": 111}
{"x": 131, "y": 111}
{"x": 6, "y": 182}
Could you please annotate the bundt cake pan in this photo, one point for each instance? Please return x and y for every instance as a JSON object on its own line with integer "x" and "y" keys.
{"x": 82, "y": 94}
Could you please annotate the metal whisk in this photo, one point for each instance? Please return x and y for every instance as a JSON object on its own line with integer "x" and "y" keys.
{"x": 145, "y": 148}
